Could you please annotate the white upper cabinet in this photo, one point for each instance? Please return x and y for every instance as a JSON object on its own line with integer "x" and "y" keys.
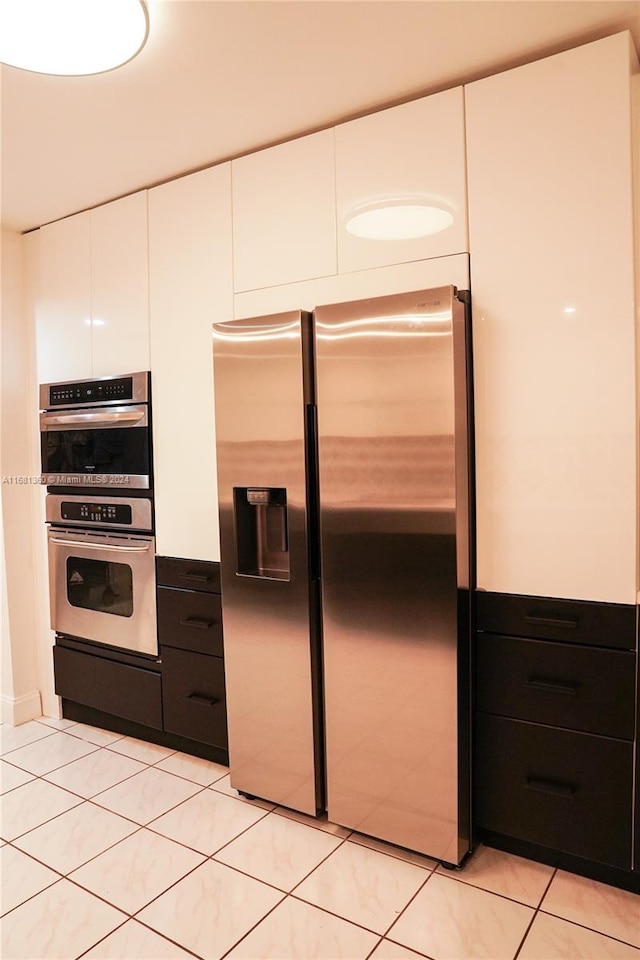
{"x": 63, "y": 300}
{"x": 284, "y": 226}
{"x": 119, "y": 286}
{"x": 92, "y": 300}
{"x": 360, "y": 285}
{"x": 552, "y": 273}
{"x": 413, "y": 153}
{"x": 190, "y": 282}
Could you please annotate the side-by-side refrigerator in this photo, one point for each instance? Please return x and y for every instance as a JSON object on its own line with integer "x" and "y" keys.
{"x": 344, "y": 459}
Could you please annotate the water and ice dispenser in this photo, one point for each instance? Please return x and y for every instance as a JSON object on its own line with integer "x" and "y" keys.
{"x": 262, "y": 541}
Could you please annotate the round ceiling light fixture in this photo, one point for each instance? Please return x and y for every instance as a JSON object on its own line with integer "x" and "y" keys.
{"x": 71, "y": 37}
{"x": 398, "y": 219}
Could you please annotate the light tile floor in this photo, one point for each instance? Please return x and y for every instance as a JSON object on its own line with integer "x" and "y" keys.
{"x": 113, "y": 849}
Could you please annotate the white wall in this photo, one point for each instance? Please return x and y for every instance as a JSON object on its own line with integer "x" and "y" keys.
{"x": 21, "y": 576}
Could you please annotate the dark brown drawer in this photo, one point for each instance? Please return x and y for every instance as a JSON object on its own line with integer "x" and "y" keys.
{"x": 570, "y": 621}
{"x": 190, "y": 621}
{"x": 188, "y": 574}
{"x": 582, "y": 688}
{"x": 193, "y": 696}
{"x": 571, "y": 792}
{"x": 116, "y": 688}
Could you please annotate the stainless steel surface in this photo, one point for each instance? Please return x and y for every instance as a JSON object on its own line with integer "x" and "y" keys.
{"x": 115, "y": 417}
{"x": 122, "y": 417}
{"x": 260, "y": 429}
{"x": 140, "y": 390}
{"x": 393, "y": 476}
{"x": 141, "y": 511}
{"x": 113, "y": 548}
{"x": 125, "y": 481}
{"x": 119, "y": 605}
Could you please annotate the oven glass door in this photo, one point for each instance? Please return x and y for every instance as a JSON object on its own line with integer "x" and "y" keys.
{"x": 102, "y": 588}
{"x": 101, "y": 448}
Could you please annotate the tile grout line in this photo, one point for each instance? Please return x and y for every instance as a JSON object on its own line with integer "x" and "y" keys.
{"x": 503, "y": 896}
{"x": 535, "y": 914}
{"x": 582, "y": 926}
{"x": 405, "y": 908}
{"x": 548, "y": 913}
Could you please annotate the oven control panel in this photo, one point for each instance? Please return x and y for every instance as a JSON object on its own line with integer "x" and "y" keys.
{"x": 133, "y": 387}
{"x": 95, "y": 512}
{"x": 90, "y": 391}
{"x": 123, "y": 513}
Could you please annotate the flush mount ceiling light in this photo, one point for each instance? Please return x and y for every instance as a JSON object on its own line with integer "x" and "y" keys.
{"x": 71, "y": 37}
{"x": 401, "y": 219}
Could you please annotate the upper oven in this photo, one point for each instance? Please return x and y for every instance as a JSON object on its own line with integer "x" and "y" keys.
{"x": 96, "y": 432}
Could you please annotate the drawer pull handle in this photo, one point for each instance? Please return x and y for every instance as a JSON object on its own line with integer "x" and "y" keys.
{"x": 552, "y": 686}
{"x": 552, "y": 622}
{"x": 198, "y": 622}
{"x": 195, "y": 577}
{"x": 203, "y": 701}
{"x": 564, "y": 790}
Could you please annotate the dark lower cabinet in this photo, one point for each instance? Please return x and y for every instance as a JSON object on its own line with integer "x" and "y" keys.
{"x": 556, "y": 731}
{"x": 568, "y": 791}
{"x": 190, "y": 620}
{"x": 131, "y": 692}
{"x": 193, "y": 696}
{"x": 191, "y": 650}
{"x": 576, "y": 687}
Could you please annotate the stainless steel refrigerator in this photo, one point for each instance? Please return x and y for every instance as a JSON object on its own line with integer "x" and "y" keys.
{"x": 344, "y": 459}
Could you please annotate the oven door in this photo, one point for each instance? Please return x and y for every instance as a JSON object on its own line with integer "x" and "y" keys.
{"x": 96, "y": 447}
{"x": 103, "y": 588}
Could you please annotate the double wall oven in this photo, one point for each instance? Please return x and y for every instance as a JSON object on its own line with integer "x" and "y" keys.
{"x": 97, "y": 464}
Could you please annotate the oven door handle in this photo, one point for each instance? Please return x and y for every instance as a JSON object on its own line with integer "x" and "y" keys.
{"x": 86, "y": 419}
{"x": 100, "y": 546}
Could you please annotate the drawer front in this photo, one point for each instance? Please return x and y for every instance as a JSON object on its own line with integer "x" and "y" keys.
{"x": 190, "y": 621}
{"x": 116, "y": 688}
{"x": 582, "y": 688}
{"x": 188, "y": 574}
{"x": 570, "y": 621}
{"x": 194, "y": 697}
{"x": 571, "y": 792}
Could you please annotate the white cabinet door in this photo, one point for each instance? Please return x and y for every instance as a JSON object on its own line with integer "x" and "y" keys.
{"x": 119, "y": 286}
{"x": 411, "y": 153}
{"x": 63, "y": 300}
{"x": 190, "y": 288}
{"x": 284, "y": 213}
{"x": 552, "y": 273}
{"x": 360, "y": 285}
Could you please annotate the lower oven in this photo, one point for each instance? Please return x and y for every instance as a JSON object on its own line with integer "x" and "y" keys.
{"x": 102, "y": 582}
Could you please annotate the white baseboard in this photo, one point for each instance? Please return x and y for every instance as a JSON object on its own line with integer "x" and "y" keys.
{"x": 17, "y": 710}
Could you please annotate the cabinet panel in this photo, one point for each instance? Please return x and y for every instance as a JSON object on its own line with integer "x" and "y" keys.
{"x": 547, "y": 618}
{"x": 553, "y": 290}
{"x": 115, "y": 688}
{"x": 557, "y": 684}
{"x": 194, "y": 696}
{"x": 188, "y": 574}
{"x": 568, "y": 791}
{"x": 119, "y": 286}
{"x": 361, "y": 284}
{"x": 63, "y": 303}
{"x": 190, "y": 287}
{"x": 284, "y": 223}
{"x": 190, "y": 620}
{"x": 415, "y": 151}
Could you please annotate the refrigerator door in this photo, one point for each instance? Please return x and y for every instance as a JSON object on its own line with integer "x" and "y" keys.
{"x": 264, "y": 404}
{"x": 393, "y": 466}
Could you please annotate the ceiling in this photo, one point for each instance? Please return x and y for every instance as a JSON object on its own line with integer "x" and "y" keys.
{"x": 219, "y": 78}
